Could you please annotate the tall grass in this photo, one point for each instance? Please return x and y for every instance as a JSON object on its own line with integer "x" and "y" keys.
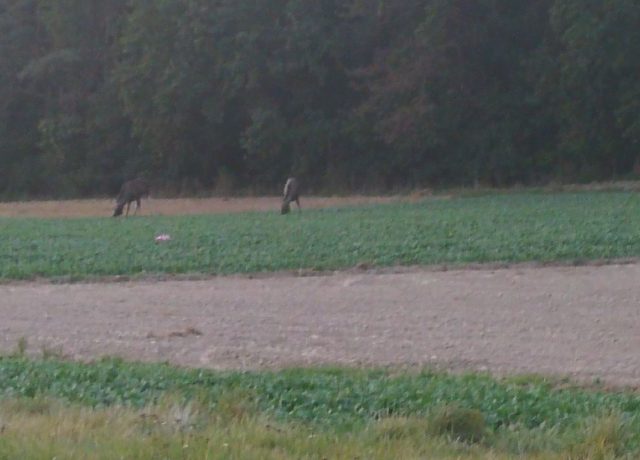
{"x": 495, "y": 228}
{"x": 174, "y": 428}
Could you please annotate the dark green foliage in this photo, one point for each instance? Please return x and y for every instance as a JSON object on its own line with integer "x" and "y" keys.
{"x": 498, "y": 228}
{"x": 344, "y": 94}
{"x": 599, "y": 121}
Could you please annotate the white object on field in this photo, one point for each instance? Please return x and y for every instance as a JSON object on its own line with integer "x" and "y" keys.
{"x": 163, "y": 237}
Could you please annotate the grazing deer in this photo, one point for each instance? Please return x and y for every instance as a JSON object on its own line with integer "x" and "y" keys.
{"x": 291, "y": 193}
{"x": 130, "y": 191}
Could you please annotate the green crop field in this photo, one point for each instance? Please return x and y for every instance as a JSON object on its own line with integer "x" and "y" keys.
{"x": 495, "y": 228}
{"x": 113, "y": 409}
{"x": 512, "y": 416}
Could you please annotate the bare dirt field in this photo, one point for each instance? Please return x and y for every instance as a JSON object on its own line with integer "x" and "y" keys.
{"x": 582, "y": 322}
{"x": 181, "y": 206}
{"x": 185, "y": 206}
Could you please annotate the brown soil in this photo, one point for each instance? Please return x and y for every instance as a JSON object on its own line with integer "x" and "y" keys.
{"x": 183, "y": 206}
{"x": 582, "y": 322}
{"x": 180, "y": 206}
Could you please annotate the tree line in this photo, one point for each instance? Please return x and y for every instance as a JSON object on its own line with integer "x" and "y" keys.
{"x": 346, "y": 94}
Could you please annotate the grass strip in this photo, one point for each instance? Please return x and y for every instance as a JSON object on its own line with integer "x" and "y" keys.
{"x": 465, "y": 416}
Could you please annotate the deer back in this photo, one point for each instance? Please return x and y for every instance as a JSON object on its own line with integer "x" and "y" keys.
{"x": 132, "y": 190}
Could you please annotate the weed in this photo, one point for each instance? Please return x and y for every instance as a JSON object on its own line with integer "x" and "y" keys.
{"x": 459, "y": 424}
{"x": 52, "y": 352}
{"x": 21, "y": 347}
{"x": 605, "y": 437}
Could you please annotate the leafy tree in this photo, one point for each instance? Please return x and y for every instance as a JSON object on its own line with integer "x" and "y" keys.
{"x": 21, "y": 40}
{"x": 598, "y": 89}
{"x": 451, "y": 98}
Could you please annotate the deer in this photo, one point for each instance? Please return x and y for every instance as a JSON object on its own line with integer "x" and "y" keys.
{"x": 291, "y": 193}
{"x": 130, "y": 191}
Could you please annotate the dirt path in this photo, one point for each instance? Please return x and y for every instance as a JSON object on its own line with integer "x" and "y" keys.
{"x": 582, "y": 322}
{"x": 185, "y": 206}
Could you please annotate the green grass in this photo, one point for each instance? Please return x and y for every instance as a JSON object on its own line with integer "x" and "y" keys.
{"x": 326, "y": 409}
{"x": 333, "y": 397}
{"x": 46, "y": 429}
{"x": 495, "y": 228}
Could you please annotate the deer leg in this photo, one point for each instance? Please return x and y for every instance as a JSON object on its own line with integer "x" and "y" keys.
{"x": 128, "y": 206}
{"x": 138, "y": 204}
{"x": 298, "y": 203}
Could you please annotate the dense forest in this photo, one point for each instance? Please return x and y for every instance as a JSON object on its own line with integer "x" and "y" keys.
{"x": 233, "y": 95}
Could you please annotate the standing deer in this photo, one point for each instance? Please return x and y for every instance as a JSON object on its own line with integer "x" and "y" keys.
{"x": 291, "y": 193}
{"x": 130, "y": 191}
